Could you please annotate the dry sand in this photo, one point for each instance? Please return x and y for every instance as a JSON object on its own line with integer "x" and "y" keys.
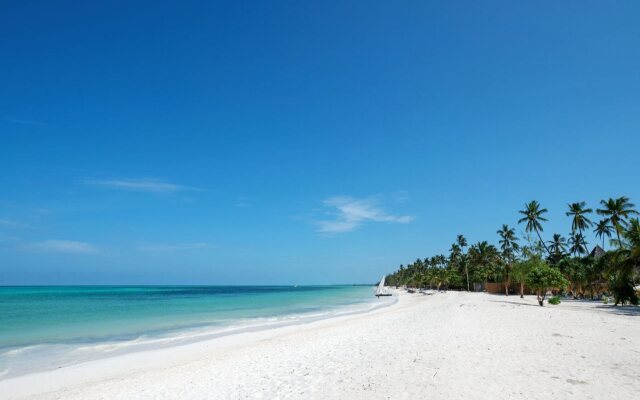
{"x": 444, "y": 346}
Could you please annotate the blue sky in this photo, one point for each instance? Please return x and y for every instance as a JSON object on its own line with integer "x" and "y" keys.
{"x": 281, "y": 142}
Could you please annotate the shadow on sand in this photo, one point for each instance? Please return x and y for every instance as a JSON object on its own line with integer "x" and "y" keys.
{"x": 505, "y": 301}
{"x": 595, "y": 305}
{"x": 608, "y": 308}
{"x": 619, "y": 310}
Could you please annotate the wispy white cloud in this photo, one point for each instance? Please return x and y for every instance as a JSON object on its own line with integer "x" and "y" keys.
{"x": 350, "y": 213}
{"x": 63, "y": 246}
{"x": 171, "y": 247}
{"x": 7, "y": 223}
{"x": 139, "y": 185}
{"x": 24, "y": 121}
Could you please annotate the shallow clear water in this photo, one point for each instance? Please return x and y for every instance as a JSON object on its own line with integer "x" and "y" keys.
{"x": 47, "y": 327}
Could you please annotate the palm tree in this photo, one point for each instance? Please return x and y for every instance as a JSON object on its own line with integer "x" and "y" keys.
{"x": 442, "y": 277}
{"x": 578, "y": 245}
{"x": 632, "y": 252}
{"x": 439, "y": 261}
{"x": 532, "y": 216}
{"x": 401, "y": 273}
{"x": 454, "y": 252}
{"x": 557, "y": 248}
{"x": 558, "y": 245}
{"x": 483, "y": 256}
{"x": 627, "y": 267}
{"x": 603, "y": 229}
{"x": 509, "y": 246}
{"x": 616, "y": 212}
{"x": 520, "y": 271}
{"x": 580, "y": 222}
{"x": 462, "y": 242}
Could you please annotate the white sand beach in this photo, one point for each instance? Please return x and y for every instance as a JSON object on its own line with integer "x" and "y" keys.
{"x": 444, "y": 346}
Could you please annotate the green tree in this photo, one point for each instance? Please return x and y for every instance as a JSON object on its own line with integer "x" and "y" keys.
{"x": 578, "y": 244}
{"x": 532, "y": 216}
{"x": 574, "y": 269}
{"x": 617, "y": 211}
{"x": 593, "y": 269}
{"x": 456, "y": 280}
{"x": 483, "y": 257}
{"x": 509, "y": 246}
{"x": 632, "y": 237}
{"x": 442, "y": 278}
{"x": 602, "y": 229}
{"x": 462, "y": 242}
{"x": 456, "y": 265}
{"x": 626, "y": 267}
{"x": 557, "y": 248}
{"x": 520, "y": 271}
{"x": 543, "y": 278}
{"x": 580, "y": 222}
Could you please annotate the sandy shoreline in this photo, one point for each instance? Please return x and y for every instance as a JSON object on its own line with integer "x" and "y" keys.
{"x": 442, "y": 346}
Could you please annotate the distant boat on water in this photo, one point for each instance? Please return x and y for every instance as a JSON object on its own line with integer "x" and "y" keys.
{"x": 381, "y": 291}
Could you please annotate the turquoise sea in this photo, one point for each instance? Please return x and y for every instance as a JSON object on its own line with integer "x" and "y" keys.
{"x": 48, "y": 327}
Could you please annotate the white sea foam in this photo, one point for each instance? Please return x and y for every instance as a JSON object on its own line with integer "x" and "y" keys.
{"x": 21, "y": 350}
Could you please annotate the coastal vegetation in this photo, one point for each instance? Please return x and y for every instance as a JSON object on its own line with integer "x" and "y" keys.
{"x": 543, "y": 278}
{"x": 531, "y": 264}
{"x": 555, "y": 300}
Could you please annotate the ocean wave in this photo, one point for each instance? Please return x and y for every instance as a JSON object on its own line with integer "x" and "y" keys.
{"x": 21, "y": 350}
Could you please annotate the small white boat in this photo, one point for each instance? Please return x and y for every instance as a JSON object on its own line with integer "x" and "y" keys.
{"x": 381, "y": 291}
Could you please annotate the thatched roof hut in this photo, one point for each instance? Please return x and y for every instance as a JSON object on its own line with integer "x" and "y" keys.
{"x": 597, "y": 252}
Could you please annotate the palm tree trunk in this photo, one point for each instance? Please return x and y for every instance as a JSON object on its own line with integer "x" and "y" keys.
{"x": 466, "y": 271}
{"x": 540, "y": 299}
{"x": 542, "y": 241}
{"x": 521, "y": 290}
{"x": 508, "y": 282}
{"x": 506, "y": 286}
{"x": 584, "y": 242}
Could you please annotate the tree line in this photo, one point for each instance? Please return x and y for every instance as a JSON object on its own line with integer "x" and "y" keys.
{"x": 563, "y": 264}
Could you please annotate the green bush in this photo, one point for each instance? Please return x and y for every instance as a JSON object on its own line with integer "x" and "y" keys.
{"x": 622, "y": 288}
{"x": 555, "y": 300}
{"x": 543, "y": 278}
